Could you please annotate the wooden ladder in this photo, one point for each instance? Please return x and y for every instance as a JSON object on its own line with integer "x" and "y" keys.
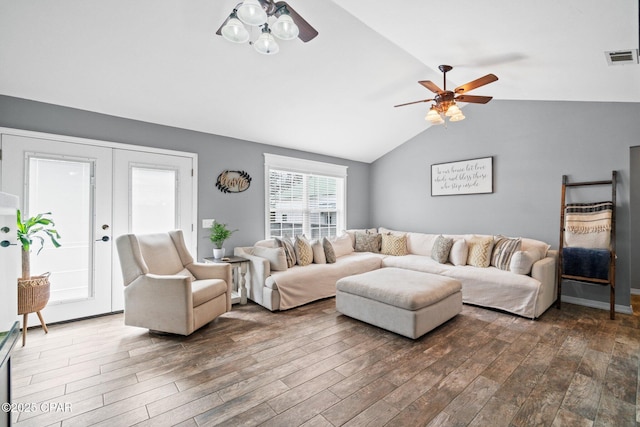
{"x": 611, "y": 280}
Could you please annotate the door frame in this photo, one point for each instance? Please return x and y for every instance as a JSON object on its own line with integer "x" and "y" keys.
{"x": 190, "y": 234}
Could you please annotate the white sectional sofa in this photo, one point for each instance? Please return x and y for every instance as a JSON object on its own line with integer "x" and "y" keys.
{"x": 526, "y": 288}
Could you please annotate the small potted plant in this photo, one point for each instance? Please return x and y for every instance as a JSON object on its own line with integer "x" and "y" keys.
{"x": 33, "y": 291}
{"x": 219, "y": 233}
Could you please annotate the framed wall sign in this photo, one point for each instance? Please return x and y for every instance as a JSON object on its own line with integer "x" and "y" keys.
{"x": 233, "y": 181}
{"x": 473, "y": 176}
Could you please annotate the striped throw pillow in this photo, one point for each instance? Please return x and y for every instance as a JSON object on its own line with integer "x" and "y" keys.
{"x": 503, "y": 250}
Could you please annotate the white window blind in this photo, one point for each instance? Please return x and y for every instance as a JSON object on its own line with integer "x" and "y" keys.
{"x": 304, "y": 197}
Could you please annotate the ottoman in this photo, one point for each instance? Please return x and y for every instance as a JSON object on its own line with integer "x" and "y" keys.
{"x": 409, "y": 303}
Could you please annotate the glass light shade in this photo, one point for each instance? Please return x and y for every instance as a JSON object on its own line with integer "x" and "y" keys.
{"x": 453, "y": 110}
{"x": 434, "y": 117}
{"x": 284, "y": 28}
{"x": 266, "y": 44}
{"x": 457, "y": 117}
{"x": 252, "y": 13}
{"x": 235, "y": 32}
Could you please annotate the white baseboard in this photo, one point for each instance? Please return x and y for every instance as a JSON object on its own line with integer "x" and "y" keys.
{"x": 597, "y": 304}
{"x": 635, "y": 291}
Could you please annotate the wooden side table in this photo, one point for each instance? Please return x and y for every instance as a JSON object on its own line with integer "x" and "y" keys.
{"x": 239, "y": 266}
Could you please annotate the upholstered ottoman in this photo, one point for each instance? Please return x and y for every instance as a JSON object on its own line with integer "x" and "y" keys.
{"x": 409, "y": 303}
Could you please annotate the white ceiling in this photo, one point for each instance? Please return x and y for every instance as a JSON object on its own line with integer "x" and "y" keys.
{"x": 159, "y": 61}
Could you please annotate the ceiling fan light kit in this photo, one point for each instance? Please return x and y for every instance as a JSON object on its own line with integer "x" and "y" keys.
{"x": 445, "y": 100}
{"x": 275, "y": 19}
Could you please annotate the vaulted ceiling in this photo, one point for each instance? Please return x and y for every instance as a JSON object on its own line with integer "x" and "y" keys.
{"x": 160, "y": 61}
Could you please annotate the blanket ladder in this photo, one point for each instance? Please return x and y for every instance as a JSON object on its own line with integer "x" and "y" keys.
{"x": 611, "y": 279}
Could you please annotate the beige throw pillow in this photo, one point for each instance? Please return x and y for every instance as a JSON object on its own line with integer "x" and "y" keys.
{"x": 441, "y": 248}
{"x": 367, "y": 242}
{"x": 318, "y": 252}
{"x": 304, "y": 253}
{"x": 393, "y": 244}
{"x": 479, "y": 251}
{"x": 329, "y": 254}
{"x": 459, "y": 252}
{"x": 289, "y": 251}
{"x": 342, "y": 245}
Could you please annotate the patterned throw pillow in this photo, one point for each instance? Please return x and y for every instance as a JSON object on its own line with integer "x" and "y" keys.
{"x": 289, "y": 251}
{"x": 367, "y": 242}
{"x": 479, "y": 251}
{"x": 304, "y": 253}
{"x": 503, "y": 250}
{"x": 329, "y": 254}
{"x": 441, "y": 248}
{"x": 393, "y": 244}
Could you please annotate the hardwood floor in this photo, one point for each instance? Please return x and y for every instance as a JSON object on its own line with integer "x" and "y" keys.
{"x": 312, "y": 366}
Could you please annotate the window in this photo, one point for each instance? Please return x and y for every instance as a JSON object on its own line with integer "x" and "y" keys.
{"x": 304, "y": 197}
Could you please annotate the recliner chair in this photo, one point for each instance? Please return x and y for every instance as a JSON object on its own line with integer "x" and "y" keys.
{"x": 165, "y": 290}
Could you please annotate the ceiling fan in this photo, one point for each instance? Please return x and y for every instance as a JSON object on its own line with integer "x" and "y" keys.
{"x": 445, "y": 100}
{"x": 286, "y": 24}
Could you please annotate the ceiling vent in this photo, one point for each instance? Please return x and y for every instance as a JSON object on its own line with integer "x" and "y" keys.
{"x": 622, "y": 57}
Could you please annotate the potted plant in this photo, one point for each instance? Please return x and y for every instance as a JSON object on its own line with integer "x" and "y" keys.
{"x": 219, "y": 233}
{"x": 33, "y": 291}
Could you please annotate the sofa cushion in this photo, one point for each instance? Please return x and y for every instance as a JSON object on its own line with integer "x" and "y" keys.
{"x": 319, "y": 256}
{"x": 206, "y": 290}
{"x": 329, "y": 253}
{"x": 304, "y": 253}
{"x": 289, "y": 251}
{"x": 276, "y": 257}
{"x": 441, "y": 248}
{"x": 522, "y": 262}
{"x": 479, "y": 251}
{"x": 459, "y": 252}
{"x": 367, "y": 242}
{"x": 342, "y": 245}
{"x": 395, "y": 245}
{"x": 503, "y": 250}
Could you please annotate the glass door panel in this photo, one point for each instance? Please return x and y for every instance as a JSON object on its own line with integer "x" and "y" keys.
{"x": 153, "y": 199}
{"x": 64, "y": 188}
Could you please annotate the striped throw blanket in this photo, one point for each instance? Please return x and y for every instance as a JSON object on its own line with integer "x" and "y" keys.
{"x": 588, "y": 225}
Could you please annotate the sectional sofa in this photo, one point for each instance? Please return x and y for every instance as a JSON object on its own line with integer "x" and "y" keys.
{"x": 520, "y": 280}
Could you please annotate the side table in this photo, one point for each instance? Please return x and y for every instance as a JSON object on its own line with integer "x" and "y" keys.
{"x": 239, "y": 266}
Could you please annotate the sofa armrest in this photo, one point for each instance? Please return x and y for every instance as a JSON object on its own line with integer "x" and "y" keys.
{"x": 545, "y": 272}
{"x": 258, "y": 271}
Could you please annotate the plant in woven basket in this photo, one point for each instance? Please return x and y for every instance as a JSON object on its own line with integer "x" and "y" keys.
{"x": 35, "y": 228}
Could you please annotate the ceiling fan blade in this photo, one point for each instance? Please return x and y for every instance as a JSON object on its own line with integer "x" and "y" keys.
{"x": 474, "y": 99}
{"x": 489, "y": 78}
{"x": 307, "y": 32}
{"x": 414, "y": 102}
{"x": 430, "y": 85}
{"x": 219, "y": 32}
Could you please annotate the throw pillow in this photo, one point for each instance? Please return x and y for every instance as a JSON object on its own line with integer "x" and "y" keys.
{"x": 441, "y": 248}
{"x": 276, "y": 257}
{"x": 503, "y": 250}
{"x": 479, "y": 251}
{"x": 304, "y": 253}
{"x": 459, "y": 252}
{"x": 329, "y": 254}
{"x": 289, "y": 251}
{"x": 393, "y": 244}
{"x": 367, "y": 242}
{"x": 318, "y": 252}
{"x": 522, "y": 261}
{"x": 342, "y": 245}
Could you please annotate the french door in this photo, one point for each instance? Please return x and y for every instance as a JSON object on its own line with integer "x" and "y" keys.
{"x": 95, "y": 193}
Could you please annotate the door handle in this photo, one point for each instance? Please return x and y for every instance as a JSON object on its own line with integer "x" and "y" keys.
{"x": 6, "y": 243}
{"x": 103, "y": 239}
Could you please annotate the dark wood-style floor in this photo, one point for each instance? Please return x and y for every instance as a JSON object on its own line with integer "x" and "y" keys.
{"x": 312, "y": 366}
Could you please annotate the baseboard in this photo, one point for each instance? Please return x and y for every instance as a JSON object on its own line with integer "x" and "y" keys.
{"x": 635, "y": 291}
{"x": 596, "y": 304}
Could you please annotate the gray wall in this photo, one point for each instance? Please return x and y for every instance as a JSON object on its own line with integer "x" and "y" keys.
{"x": 635, "y": 218}
{"x": 533, "y": 144}
{"x": 244, "y": 211}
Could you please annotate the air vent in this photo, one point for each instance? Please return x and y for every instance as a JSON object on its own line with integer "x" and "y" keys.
{"x": 622, "y": 57}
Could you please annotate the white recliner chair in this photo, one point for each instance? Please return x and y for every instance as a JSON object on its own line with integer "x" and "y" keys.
{"x": 165, "y": 290}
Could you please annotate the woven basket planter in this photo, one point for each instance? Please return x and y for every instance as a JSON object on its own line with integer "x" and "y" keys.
{"x": 33, "y": 293}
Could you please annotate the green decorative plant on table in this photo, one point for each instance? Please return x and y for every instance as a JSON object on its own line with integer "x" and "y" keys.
{"x": 33, "y": 291}
{"x": 219, "y": 233}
